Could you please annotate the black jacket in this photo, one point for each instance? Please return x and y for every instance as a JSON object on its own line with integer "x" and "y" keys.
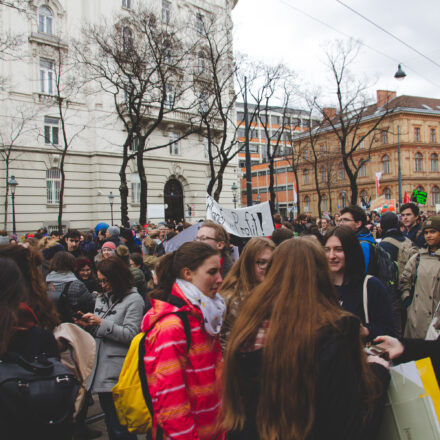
{"x": 340, "y": 409}
{"x": 379, "y": 306}
{"x": 416, "y": 235}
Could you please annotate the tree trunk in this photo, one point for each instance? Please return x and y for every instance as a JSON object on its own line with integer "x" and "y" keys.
{"x": 271, "y": 182}
{"x": 6, "y": 204}
{"x": 123, "y": 192}
{"x": 61, "y": 201}
{"x": 219, "y": 188}
{"x": 143, "y": 179}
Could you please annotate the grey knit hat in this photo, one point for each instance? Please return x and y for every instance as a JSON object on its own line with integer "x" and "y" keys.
{"x": 113, "y": 230}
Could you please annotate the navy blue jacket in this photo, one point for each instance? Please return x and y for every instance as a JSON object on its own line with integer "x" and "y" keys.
{"x": 379, "y": 306}
{"x": 412, "y": 235}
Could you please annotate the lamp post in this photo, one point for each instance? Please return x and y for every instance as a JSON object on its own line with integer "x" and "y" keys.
{"x": 343, "y": 194}
{"x": 234, "y": 189}
{"x": 400, "y": 74}
{"x": 13, "y": 185}
{"x": 111, "y": 197}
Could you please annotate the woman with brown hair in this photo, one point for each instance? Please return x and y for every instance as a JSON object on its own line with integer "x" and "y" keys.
{"x": 247, "y": 272}
{"x": 29, "y": 260}
{"x": 295, "y": 367}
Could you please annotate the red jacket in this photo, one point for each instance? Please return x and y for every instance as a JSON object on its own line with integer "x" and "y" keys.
{"x": 185, "y": 386}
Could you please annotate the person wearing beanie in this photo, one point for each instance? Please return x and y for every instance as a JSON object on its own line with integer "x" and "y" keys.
{"x": 113, "y": 234}
{"x": 420, "y": 281}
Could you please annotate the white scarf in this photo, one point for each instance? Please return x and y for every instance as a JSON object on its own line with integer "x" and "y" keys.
{"x": 213, "y": 309}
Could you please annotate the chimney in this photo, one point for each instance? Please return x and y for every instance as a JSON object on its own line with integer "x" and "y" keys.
{"x": 328, "y": 113}
{"x": 384, "y": 96}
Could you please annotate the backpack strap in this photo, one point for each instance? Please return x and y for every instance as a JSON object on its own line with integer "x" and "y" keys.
{"x": 365, "y": 298}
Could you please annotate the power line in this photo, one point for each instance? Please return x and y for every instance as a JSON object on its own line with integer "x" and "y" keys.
{"x": 389, "y": 33}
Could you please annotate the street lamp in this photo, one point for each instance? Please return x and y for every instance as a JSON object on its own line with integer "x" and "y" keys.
{"x": 400, "y": 74}
{"x": 234, "y": 189}
{"x": 343, "y": 200}
{"x": 111, "y": 197}
{"x": 13, "y": 185}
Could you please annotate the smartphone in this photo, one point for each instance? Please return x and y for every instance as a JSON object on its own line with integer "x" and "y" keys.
{"x": 374, "y": 350}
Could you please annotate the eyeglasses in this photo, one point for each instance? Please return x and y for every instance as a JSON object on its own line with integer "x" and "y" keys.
{"x": 345, "y": 220}
{"x": 262, "y": 264}
{"x": 205, "y": 238}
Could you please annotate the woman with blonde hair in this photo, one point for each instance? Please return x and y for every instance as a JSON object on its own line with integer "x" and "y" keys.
{"x": 247, "y": 272}
{"x": 295, "y": 367}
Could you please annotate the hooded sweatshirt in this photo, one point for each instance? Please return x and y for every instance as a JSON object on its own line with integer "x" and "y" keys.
{"x": 185, "y": 386}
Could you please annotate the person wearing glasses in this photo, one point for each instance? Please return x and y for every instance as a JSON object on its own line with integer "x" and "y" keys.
{"x": 115, "y": 321}
{"x": 248, "y": 271}
{"x": 215, "y": 236}
{"x": 355, "y": 218}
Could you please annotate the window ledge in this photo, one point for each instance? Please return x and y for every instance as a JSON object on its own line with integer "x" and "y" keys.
{"x": 47, "y": 39}
{"x": 53, "y": 205}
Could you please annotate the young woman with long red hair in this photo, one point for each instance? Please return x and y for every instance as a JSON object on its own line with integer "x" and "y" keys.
{"x": 295, "y": 366}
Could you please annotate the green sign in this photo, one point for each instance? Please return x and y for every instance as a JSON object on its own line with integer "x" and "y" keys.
{"x": 419, "y": 197}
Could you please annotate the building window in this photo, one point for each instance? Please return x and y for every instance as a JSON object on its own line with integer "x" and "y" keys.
{"x": 341, "y": 171}
{"x": 169, "y": 98}
{"x": 306, "y": 177}
{"x": 434, "y": 162}
{"x": 45, "y": 20}
{"x": 418, "y": 162}
{"x": 199, "y": 23}
{"x": 387, "y": 193}
{"x": 51, "y": 130}
{"x": 47, "y": 76}
{"x": 166, "y": 11}
{"x": 126, "y": 4}
{"x": 306, "y": 154}
{"x": 322, "y": 149}
{"x": 323, "y": 174}
{"x": 324, "y": 203}
{"x": 134, "y": 145}
{"x": 385, "y": 164}
{"x": 53, "y": 186}
{"x": 435, "y": 196}
{"x": 240, "y": 116}
{"x": 361, "y": 142}
{"x": 433, "y": 136}
{"x": 306, "y": 204}
{"x": 203, "y": 103}
{"x": 174, "y": 144}
{"x": 127, "y": 39}
{"x": 417, "y": 134}
{"x": 363, "y": 169}
{"x": 206, "y": 148}
{"x": 135, "y": 188}
{"x": 384, "y": 135}
{"x": 275, "y": 120}
{"x": 363, "y": 196}
{"x": 343, "y": 197}
{"x": 201, "y": 62}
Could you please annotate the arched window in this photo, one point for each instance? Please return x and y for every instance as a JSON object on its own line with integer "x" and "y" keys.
{"x": 385, "y": 164}
{"x": 343, "y": 198}
{"x": 387, "y": 193}
{"x": 324, "y": 203}
{"x": 434, "y": 162}
{"x": 127, "y": 39}
{"x": 306, "y": 204}
{"x": 53, "y": 186}
{"x": 135, "y": 188}
{"x": 306, "y": 177}
{"x": 45, "y": 19}
{"x": 418, "y": 162}
{"x": 420, "y": 188}
{"x": 363, "y": 196}
{"x": 435, "y": 195}
{"x": 341, "y": 171}
{"x": 323, "y": 173}
{"x": 363, "y": 169}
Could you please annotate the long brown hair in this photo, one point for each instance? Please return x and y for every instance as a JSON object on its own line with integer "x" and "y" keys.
{"x": 297, "y": 297}
{"x": 241, "y": 278}
{"x": 29, "y": 261}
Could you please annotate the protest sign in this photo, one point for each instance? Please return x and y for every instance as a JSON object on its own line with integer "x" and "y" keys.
{"x": 188, "y": 234}
{"x": 252, "y": 221}
{"x": 378, "y": 202}
{"x": 419, "y": 197}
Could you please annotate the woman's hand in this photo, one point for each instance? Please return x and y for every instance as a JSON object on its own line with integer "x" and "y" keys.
{"x": 378, "y": 360}
{"x": 391, "y": 345}
{"x": 91, "y": 319}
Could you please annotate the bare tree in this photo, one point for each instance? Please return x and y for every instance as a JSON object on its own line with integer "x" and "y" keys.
{"x": 141, "y": 61}
{"x": 352, "y": 108}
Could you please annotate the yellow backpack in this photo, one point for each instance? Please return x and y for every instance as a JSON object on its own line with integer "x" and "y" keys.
{"x": 128, "y": 394}
{"x": 131, "y": 395}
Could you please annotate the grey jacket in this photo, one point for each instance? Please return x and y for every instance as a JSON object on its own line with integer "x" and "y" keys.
{"x": 426, "y": 291}
{"x": 113, "y": 337}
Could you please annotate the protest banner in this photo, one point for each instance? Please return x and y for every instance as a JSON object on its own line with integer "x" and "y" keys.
{"x": 378, "y": 202}
{"x": 188, "y": 234}
{"x": 252, "y": 221}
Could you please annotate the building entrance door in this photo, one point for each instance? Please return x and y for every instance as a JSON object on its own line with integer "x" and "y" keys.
{"x": 173, "y": 195}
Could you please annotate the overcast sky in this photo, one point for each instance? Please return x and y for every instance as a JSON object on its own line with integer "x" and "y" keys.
{"x": 275, "y": 31}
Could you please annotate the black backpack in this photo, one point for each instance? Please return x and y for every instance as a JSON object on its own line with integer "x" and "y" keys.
{"x": 40, "y": 392}
{"x": 61, "y": 301}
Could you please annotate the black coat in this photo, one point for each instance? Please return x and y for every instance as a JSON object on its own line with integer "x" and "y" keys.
{"x": 340, "y": 409}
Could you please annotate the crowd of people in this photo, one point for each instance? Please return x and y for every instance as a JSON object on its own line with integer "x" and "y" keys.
{"x": 270, "y": 346}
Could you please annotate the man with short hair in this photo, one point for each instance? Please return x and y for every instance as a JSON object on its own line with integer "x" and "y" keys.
{"x": 215, "y": 236}
{"x": 413, "y": 230}
{"x": 72, "y": 240}
{"x": 355, "y": 218}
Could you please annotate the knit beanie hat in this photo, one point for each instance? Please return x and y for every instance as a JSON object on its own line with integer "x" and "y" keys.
{"x": 432, "y": 222}
{"x": 389, "y": 220}
{"x": 81, "y": 262}
{"x": 113, "y": 230}
{"x": 109, "y": 244}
